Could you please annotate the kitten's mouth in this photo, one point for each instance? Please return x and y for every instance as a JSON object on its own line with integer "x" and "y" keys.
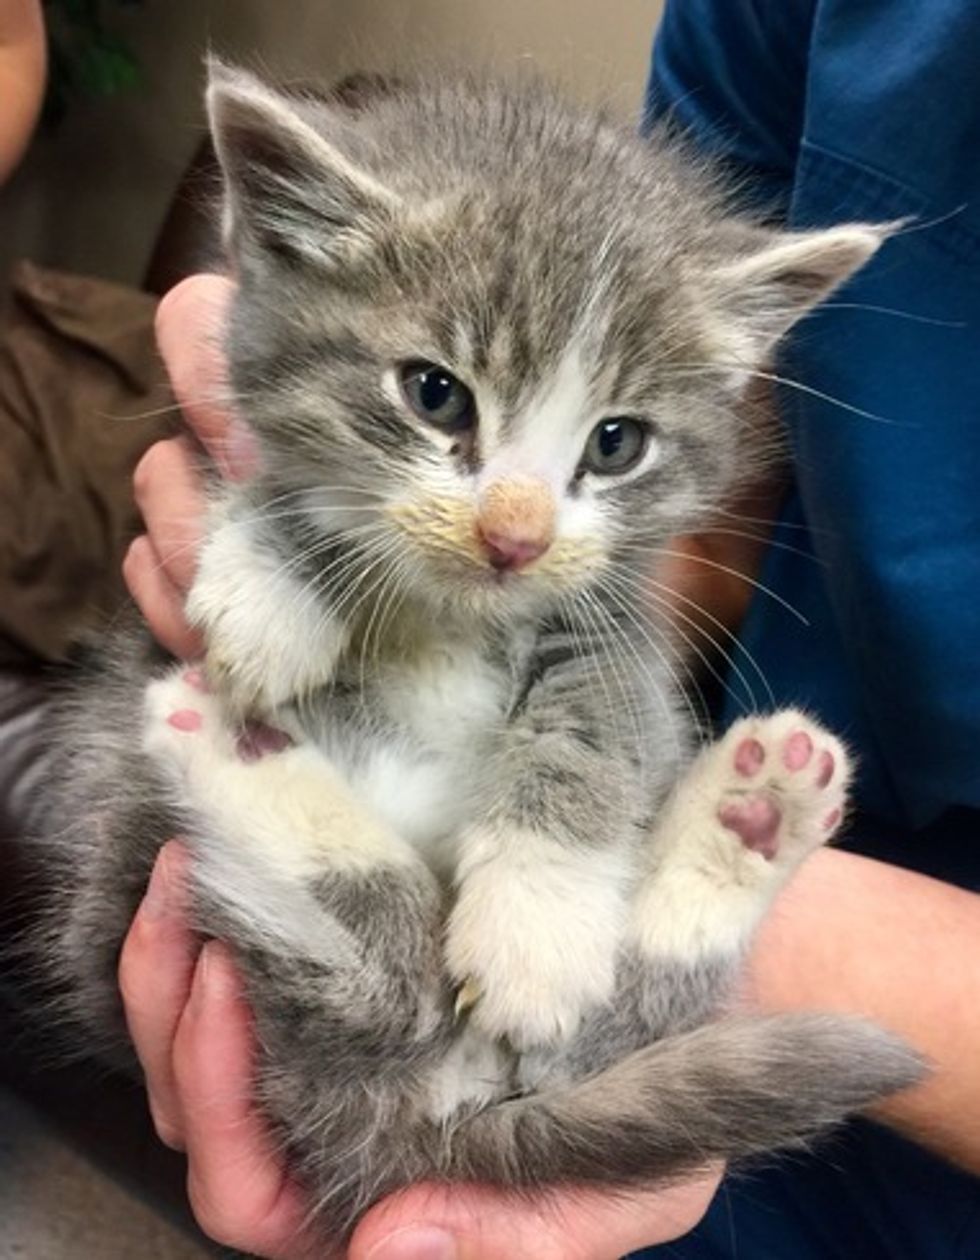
{"x": 493, "y": 587}
{"x": 506, "y": 577}
{"x": 466, "y": 555}
{"x": 496, "y": 576}
{"x": 561, "y": 567}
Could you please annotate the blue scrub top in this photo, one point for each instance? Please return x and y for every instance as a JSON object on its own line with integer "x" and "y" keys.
{"x": 866, "y": 110}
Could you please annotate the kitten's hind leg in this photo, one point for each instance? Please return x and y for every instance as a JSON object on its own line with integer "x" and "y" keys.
{"x": 336, "y": 927}
{"x": 288, "y": 863}
{"x": 745, "y": 815}
{"x": 743, "y": 818}
{"x": 283, "y": 800}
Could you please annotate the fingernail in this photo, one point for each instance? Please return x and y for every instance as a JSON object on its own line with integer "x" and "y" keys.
{"x": 215, "y": 979}
{"x": 240, "y": 452}
{"x": 416, "y": 1243}
{"x": 157, "y": 898}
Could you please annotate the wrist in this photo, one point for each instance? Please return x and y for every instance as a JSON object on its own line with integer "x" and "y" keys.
{"x": 855, "y": 936}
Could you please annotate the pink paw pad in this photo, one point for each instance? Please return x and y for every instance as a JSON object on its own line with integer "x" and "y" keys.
{"x": 755, "y": 820}
{"x": 797, "y": 751}
{"x": 258, "y": 740}
{"x": 825, "y": 769}
{"x": 749, "y": 757}
{"x": 195, "y": 678}
{"x": 185, "y": 720}
{"x": 832, "y": 819}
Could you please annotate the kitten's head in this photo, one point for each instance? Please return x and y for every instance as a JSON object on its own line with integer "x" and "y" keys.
{"x": 494, "y": 342}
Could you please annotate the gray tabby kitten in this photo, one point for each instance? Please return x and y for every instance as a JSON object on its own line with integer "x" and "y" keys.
{"x": 486, "y": 897}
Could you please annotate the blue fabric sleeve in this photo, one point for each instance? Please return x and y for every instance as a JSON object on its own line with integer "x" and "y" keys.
{"x": 732, "y": 76}
{"x": 850, "y": 110}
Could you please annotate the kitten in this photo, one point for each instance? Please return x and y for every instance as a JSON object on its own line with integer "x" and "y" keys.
{"x": 487, "y": 898}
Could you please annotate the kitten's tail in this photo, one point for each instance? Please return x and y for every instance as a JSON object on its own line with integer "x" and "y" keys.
{"x": 727, "y": 1090}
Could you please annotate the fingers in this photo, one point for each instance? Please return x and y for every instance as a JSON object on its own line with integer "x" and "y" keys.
{"x": 159, "y": 600}
{"x": 159, "y": 566}
{"x": 192, "y": 1033}
{"x": 237, "y": 1182}
{"x": 168, "y": 493}
{"x": 190, "y": 326}
{"x": 468, "y": 1223}
{"x": 155, "y": 970}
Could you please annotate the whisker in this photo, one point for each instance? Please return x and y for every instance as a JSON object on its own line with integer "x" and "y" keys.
{"x": 644, "y": 669}
{"x": 912, "y": 316}
{"x": 721, "y": 568}
{"x": 222, "y": 399}
{"x": 738, "y": 645}
{"x": 694, "y": 369}
{"x": 769, "y": 542}
{"x": 386, "y": 582}
{"x": 639, "y": 590}
{"x": 590, "y": 615}
{"x": 699, "y": 720}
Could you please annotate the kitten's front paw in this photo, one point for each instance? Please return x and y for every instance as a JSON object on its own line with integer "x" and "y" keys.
{"x": 781, "y": 785}
{"x": 270, "y": 638}
{"x": 258, "y": 677}
{"x": 532, "y": 939}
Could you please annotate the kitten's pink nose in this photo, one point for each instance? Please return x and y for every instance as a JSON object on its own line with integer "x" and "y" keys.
{"x": 505, "y": 552}
{"x": 515, "y": 521}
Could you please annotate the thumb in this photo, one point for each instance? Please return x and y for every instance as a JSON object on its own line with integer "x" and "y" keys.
{"x": 432, "y": 1222}
{"x": 190, "y": 330}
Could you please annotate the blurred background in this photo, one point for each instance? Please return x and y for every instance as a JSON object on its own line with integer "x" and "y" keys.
{"x": 103, "y": 192}
{"x": 96, "y": 184}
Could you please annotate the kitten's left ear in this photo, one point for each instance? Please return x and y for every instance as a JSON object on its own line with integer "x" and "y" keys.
{"x": 765, "y": 292}
{"x": 288, "y": 190}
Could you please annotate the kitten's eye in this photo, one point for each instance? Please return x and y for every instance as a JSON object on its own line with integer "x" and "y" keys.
{"x": 437, "y": 397}
{"x": 615, "y": 446}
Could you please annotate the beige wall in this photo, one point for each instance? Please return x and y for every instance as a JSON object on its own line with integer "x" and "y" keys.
{"x": 598, "y": 48}
{"x": 91, "y": 198}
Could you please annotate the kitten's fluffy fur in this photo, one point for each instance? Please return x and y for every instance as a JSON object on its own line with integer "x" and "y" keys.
{"x": 488, "y": 901}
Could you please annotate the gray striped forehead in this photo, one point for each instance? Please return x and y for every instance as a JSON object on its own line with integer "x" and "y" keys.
{"x": 511, "y": 301}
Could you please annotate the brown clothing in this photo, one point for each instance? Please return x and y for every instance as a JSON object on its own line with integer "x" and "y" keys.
{"x": 82, "y": 395}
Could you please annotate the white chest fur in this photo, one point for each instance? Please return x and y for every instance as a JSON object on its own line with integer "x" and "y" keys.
{"x": 419, "y": 698}
{"x": 415, "y": 752}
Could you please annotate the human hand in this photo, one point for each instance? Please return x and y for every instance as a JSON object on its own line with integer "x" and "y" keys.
{"x": 23, "y": 74}
{"x": 192, "y": 1032}
{"x": 159, "y": 566}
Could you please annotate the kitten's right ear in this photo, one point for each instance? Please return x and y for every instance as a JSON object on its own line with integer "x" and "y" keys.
{"x": 288, "y": 190}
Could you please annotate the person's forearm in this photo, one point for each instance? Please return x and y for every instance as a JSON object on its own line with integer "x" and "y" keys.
{"x": 22, "y": 77}
{"x": 850, "y": 934}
